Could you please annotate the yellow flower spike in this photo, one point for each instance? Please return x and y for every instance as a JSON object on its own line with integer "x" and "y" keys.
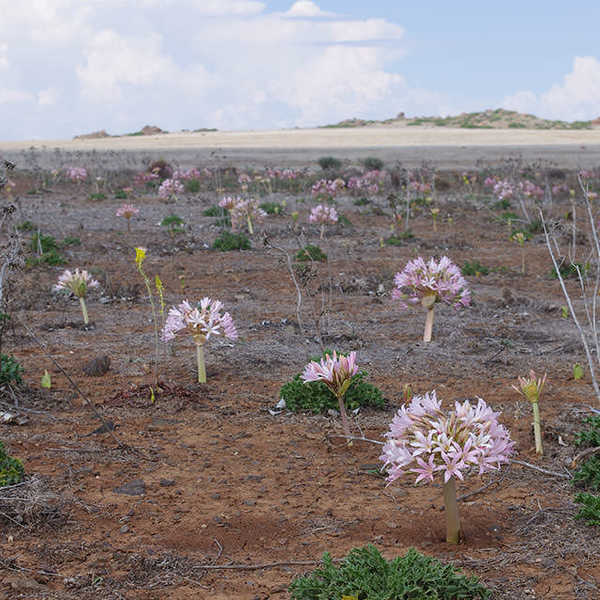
{"x": 140, "y": 255}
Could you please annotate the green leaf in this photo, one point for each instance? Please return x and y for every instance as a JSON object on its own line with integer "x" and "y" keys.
{"x": 577, "y": 372}
{"x": 46, "y": 380}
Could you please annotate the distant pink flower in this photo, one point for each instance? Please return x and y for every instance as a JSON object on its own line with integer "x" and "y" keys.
{"x": 202, "y": 321}
{"x": 127, "y": 211}
{"x": 323, "y": 214}
{"x": 144, "y": 178}
{"x": 76, "y": 282}
{"x": 334, "y": 371}
{"x": 459, "y": 441}
{"x": 169, "y": 188}
{"x": 229, "y": 202}
{"x": 248, "y": 210}
{"x": 76, "y": 174}
{"x": 328, "y": 187}
{"x": 434, "y": 281}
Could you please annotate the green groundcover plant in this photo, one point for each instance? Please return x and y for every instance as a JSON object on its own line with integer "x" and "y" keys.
{"x": 10, "y": 370}
{"x": 11, "y": 469}
{"x": 366, "y": 575}
{"x": 590, "y": 508}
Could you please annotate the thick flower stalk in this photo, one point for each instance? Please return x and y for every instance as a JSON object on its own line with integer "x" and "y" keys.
{"x": 323, "y": 215}
{"x": 202, "y": 321}
{"x": 430, "y": 283}
{"x": 428, "y": 442}
{"x": 336, "y": 372}
{"x": 127, "y": 211}
{"x": 531, "y": 387}
{"x": 248, "y": 210}
{"x": 77, "y": 282}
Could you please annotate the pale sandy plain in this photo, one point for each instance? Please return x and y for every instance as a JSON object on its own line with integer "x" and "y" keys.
{"x": 447, "y": 148}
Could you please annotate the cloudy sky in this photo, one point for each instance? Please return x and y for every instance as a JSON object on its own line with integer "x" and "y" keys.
{"x": 75, "y": 66}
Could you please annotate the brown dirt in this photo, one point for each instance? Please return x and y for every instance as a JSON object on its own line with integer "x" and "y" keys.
{"x": 227, "y": 482}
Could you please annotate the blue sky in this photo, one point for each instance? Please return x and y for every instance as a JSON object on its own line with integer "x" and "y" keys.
{"x": 69, "y": 67}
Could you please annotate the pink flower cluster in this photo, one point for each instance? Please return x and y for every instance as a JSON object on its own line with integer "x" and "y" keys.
{"x": 76, "y": 174}
{"x": 244, "y": 179}
{"x": 491, "y": 181}
{"x": 328, "y": 187}
{"x": 169, "y": 188}
{"x": 425, "y": 440}
{"x": 504, "y": 189}
{"x": 243, "y": 209}
{"x": 228, "y": 202}
{"x": 144, "y": 178}
{"x": 560, "y": 188}
{"x": 335, "y": 371}
{"x": 76, "y": 282}
{"x": 203, "y": 320}
{"x": 441, "y": 279}
{"x": 420, "y": 187}
{"x": 127, "y": 211}
{"x": 323, "y": 214}
{"x": 531, "y": 190}
{"x": 370, "y": 182}
{"x": 186, "y": 174}
{"x": 284, "y": 174}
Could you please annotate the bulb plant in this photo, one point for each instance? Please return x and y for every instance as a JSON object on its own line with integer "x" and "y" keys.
{"x": 127, "y": 211}
{"x": 77, "y": 282}
{"x": 531, "y": 387}
{"x": 323, "y": 215}
{"x": 519, "y": 238}
{"x": 429, "y": 283}
{"x": 426, "y": 441}
{"x": 202, "y": 321}
{"x": 336, "y": 372}
{"x": 248, "y": 210}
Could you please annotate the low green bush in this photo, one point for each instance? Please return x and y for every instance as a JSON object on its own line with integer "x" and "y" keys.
{"x": 231, "y": 241}
{"x": 311, "y": 253}
{"x": 11, "y": 469}
{"x": 10, "y": 370}
{"x": 366, "y": 575}
{"x": 590, "y": 508}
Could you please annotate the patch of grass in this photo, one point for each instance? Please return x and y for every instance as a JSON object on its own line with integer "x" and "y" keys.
{"x": 503, "y": 204}
{"x": 273, "y": 208}
{"x": 509, "y": 216}
{"x": 26, "y": 226}
{"x": 344, "y": 221}
{"x": 569, "y": 270}
{"x": 10, "y": 370}
{"x": 399, "y": 239}
{"x": 231, "y": 241}
{"x": 361, "y": 202}
{"x": 365, "y": 574}
{"x": 71, "y": 241}
{"x": 174, "y": 223}
{"x": 11, "y": 469}
{"x": 192, "y": 186}
{"x": 120, "y": 195}
{"x": 213, "y": 211}
{"x": 311, "y": 253}
{"x": 474, "y": 269}
{"x": 329, "y": 163}
{"x": 97, "y": 196}
{"x": 372, "y": 163}
{"x": 591, "y": 436}
{"x": 588, "y": 474}
{"x": 49, "y": 254}
{"x": 590, "y": 508}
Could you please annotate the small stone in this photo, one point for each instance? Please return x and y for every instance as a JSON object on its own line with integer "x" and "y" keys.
{"x": 97, "y": 366}
{"x": 137, "y": 487}
{"x": 124, "y": 529}
{"x": 250, "y": 502}
{"x": 166, "y": 482}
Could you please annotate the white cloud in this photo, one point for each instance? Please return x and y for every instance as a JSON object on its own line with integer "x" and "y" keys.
{"x": 231, "y": 64}
{"x": 576, "y": 98}
{"x": 306, "y": 8}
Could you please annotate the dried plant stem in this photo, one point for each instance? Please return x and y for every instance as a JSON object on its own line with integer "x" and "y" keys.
{"x": 250, "y": 228}
{"x": 537, "y": 429}
{"x": 452, "y": 517}
{"x": 523, "y": 260}
{"x": 322, "y": 231}
{"x": 428, "y": 325}
{"x": 128, "y": 225}
{"x": 345, "y": 422}
{"x": 200, "y": 362}
{"x": 84, "y": 310}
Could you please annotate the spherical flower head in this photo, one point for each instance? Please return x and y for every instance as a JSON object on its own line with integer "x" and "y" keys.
{"x": 246, "y": 209}
{"x": 323, "y": 214}
{"x": 334, "y": 371}
{"x": 202, "y": 321}
{"x": 76, "y": 174}
{"x": 431, "y": 282}
{"x": 229, "y": 202}
{"x": 77, "y": 282}
{"x": 426, "y": 441}
{"x": 170, "y": 187}
{"x": 127, "y": 211}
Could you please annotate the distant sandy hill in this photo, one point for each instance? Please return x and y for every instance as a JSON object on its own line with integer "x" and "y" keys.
{"x": 488, "y": 119}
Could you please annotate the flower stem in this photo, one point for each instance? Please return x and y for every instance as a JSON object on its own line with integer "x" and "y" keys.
{"x": 84, "y": 310}
{"x": 200, "y": 361}
{"x": 128, "y": 225}
{"x": 537, "y": 429}
{"x": 523, "y": 260}
{"x": 452, "y": 518}
{"x": 250, "y": 228}
{"x": 428, "y": 325}
{"x": 345, "y": 423}
{"x": 322, "y": 231}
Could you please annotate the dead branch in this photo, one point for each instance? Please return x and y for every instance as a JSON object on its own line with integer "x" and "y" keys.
{"x": 545, "y": 471}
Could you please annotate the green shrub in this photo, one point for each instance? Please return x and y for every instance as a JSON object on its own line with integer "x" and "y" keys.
{"x": 399, "y": 239}
{"x": 504, "y": 204}
{"x": 311, "y": 253}
{"x": 231, "y": 241}
{"x": 98, "y": 196}
{"x": 509, "y": 216}
{"x": 120, "y": 195}
{"x": 213, "y": 211}
{"x": 273, "y": 208}
{"x": 569, "y": 270}
{"x": 590, "y": 509}
{"x": 71, "y": 241}
{"x": 26, "y": 226}
{"x": 11, "y": 469}
{"x": 174, "y": 223}
{"x": 10, "y": 370}
{"x": 329, "y": 163}
{"x": 371, "y": 163}
{"x": 365, "y": 574}
{"x": 591, "y": 436}
{"x": 474, "y": 268}
{"x": 192, "y": 186}
{"x": 588, "y": 474}
{"x": 361, "y": 202}
{"x": 49, "y": 251}
{"x": 44, "y": 243}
